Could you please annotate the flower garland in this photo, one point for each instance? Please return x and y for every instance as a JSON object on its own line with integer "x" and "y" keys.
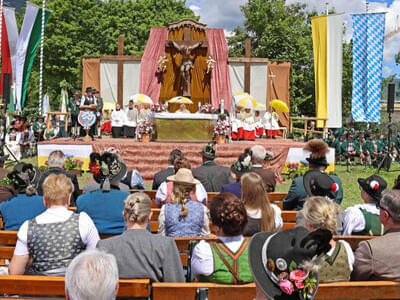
{"x": 159, "y": 108}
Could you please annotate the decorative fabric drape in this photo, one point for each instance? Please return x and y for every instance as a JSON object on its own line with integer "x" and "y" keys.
{"x": 150, "y": 80}
{"x": 278, "y": 87}
{"x": 220, "y": 79}
{"x": 172, "y": 81}
{"x": 91, "y": 73}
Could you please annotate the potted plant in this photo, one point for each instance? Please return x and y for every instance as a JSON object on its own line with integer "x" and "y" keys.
{"x": 221, "y": 130}
{"x": 145, "y": 130}
{"x": 73, "y": 165}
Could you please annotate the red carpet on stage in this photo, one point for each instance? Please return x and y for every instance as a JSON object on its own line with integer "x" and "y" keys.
{"x": 152, "y": 157}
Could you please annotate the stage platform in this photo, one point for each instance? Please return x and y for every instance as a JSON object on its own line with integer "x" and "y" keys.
{"x": 152, "y": 157}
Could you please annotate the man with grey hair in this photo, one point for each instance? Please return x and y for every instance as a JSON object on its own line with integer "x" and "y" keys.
{"x": 258, "y": 156}
{"x": 93, "y": 274}
{"x": 379, "y": 258}
{"x": 56, "y": 162}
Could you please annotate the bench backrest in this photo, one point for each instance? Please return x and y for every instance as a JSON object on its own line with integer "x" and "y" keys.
{"x": 55, "y": 286}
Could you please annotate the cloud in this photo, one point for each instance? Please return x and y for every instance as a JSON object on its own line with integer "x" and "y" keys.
{"x": 195, "y": 9}
{"x": 387, "y": 71}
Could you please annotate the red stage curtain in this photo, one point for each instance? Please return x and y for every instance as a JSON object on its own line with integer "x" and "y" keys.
{"x": 150, "y": 81}
{"x": 220, "y": 79}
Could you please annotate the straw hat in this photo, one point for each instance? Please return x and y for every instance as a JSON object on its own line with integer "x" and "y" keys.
{"x": 183, "y": 176}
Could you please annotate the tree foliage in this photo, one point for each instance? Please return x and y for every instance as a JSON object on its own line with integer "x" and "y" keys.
{"x": 81, "y": 28}
{"x": 282, "y": 32}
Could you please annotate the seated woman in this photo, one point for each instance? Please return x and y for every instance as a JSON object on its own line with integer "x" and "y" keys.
{"x": 47, "y": 243}
{"x": 183, "y": 216}
{"x": 164, "y": 191}
{"x": 224, "y": 261}
{"x": 139, "y": 253}
{"x": 26, "y": 204}
{"x": 262, "y": 216}
{"x": 321, "y": 213}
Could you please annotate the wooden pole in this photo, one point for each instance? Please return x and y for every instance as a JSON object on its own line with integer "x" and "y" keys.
{"x": 247, "y": 67}
{"x": 120, "y": 96}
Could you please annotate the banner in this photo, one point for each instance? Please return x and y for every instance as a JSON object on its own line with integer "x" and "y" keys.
{"x": 368, "y": 39}
{"x": 327, "y": 34}
{"x": 28, "y": 42}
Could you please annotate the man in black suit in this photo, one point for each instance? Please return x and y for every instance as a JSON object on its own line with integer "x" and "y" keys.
{"x": 161, "y": 176}
{"x": 212, "y": 176}
{"x": 258, "y": 155}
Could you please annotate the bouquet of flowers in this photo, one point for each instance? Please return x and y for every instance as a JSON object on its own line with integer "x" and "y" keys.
{"x": 207, "y": 109}
{"x": 296, "y": 170}
{"x": 73, "y": 164}
{"x": 221, "y": 127}
{"x": 145, "y": 127}
{"x": 159, "y": 108}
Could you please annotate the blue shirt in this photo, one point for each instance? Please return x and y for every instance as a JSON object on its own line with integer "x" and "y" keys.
{"x": 105, "y": 209}
{"x": 20, "y": 208}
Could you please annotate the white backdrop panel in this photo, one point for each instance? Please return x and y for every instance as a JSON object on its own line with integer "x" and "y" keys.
{"x": 109, "y": 81}
{"x": 258, "y": 82}
{"x": 131, "y": 79}
{"x": 236, "y": 72}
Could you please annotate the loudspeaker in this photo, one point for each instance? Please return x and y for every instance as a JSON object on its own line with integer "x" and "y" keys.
{"x": 390, "y": 100}
{"x": 6, "y": 88}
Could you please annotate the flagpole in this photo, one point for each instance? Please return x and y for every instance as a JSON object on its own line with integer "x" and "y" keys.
{"x": 41, "y": 58}
{"x": 327, "y": 8}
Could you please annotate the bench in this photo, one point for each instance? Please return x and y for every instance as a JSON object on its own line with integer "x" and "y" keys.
{"x": 326, "y": 291}
{"x": 54, "y": 286}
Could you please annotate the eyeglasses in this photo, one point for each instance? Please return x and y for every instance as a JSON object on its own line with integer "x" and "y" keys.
{"x": 383, "y": 208}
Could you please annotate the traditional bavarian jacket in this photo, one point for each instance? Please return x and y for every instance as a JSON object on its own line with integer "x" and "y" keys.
{"x": 118, "y": 118}
{"x": 39, "y": 126}
{"x": 131, "y": 117}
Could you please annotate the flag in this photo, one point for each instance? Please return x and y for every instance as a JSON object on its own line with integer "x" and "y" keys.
{"x": 327, "y": 35}
{"x": 368, "y": 40}
{"x": 64, "y": 101}
{"x": 28, "y": 42}
{"x": 11, "y": 106}
{"x": 9, "y": 38}
{"x": 45, "y": 105}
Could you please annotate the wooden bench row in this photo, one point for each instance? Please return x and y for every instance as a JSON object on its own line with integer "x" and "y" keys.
{"x": 54, "y": 286}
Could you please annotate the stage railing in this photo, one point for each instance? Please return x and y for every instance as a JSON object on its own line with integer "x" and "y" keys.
{"x": 305, "y": 129}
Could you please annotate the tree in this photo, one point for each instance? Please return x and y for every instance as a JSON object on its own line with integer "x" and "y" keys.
{"x": 82, "y": 28}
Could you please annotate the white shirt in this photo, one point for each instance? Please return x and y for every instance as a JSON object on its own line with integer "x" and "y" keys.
{"x": 87, "y": 229}
{"x": 205, "y": 230}
{"x": 162, "y": 193}
{"x": 353, "y": 219}
{"x": 202, "y": 257}
{"x": 131, "y": 123}
{"x": 350, "y": 254}
{"x": 118, "y": 118}
{"x": 271, "y": 121}
{"x": 256, "y": 214}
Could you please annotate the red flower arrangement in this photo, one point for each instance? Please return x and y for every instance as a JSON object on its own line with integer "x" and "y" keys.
{"x": 94, "y": 168}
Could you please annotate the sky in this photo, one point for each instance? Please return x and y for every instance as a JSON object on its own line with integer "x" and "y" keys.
{"x": 226, "y": 14}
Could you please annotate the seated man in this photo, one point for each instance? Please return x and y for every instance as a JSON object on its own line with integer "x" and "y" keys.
{"x": 38, "y": 128}
{"x": 379, "y": 258}
{"x": 60, "y": 126}
{"x": 105, "y": 204}
{"x": 258, "y": 155}
{"x": 48, "y": 243}
{"x": 12, "y": 141}
{"x": 182, "y": 109}
{"x": 161, "y": 176}
{"x": 92, "y": 275}
{"x": 364, "y": 219}
{"x": 350, "y": 148}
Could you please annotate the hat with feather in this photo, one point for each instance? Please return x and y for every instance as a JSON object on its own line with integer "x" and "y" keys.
{"x": 318, "y": 151}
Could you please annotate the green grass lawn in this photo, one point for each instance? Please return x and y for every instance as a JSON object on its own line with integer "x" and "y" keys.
{"x": 349, "y": 180}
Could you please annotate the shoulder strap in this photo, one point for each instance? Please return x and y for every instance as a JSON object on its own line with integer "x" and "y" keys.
{"x": 331, "y": 259}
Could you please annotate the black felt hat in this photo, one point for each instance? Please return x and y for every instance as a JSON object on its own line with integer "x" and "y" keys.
{"x": 209, "y": 151}
{"x": 25, "y": 177}
{"x": 89, "y": 89}
{"x": 317, "y": 183}
{"x": 278, "y": 260}
{"x": 373, "y": 185}
{"x": 243, "y": 164}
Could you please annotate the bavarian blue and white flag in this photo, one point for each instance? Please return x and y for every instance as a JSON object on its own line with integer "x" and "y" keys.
{"x": 368, "y": 39}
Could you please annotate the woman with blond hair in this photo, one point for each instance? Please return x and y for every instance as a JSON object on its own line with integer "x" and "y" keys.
{"x": 183, "y": 216}
{"x": 321, "y": 213}
{"x": 261, "y": 214}
{"x": 139, "y": 253}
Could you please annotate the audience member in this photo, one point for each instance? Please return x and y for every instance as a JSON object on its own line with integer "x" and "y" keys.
{"x": 6, "y": 188}
{"x": 56, "y": 161}
{"x": 211, "y": 175}
{"x": 258, "y": 154}
{"x": 60, "y": 126}
{"x": 118, "y": 119}
{"x": 12, "y": 141}
{"x": 212, "y": 262}
{"x": 161, "y": 176}
{"x": 261, "y": 215}
{"x": 183, "y": 216}
{"x": 26, "y": 204}
{"x": 320, "y": 213}
{"x": 364, "y": 219}
{"x": 379, "y": 258}
{"x": 139, "y": 253}
{"x": 163, "y": 194}
{"x": 131, "y": 120}
{"x": 238, "y": 168}
{"x": 48, "y": 243}
{"x": 92, "y": 275}
{"x": 105, "y": 204}
{"x": 283, "y": 263}
{"x": 317, "y": 161}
